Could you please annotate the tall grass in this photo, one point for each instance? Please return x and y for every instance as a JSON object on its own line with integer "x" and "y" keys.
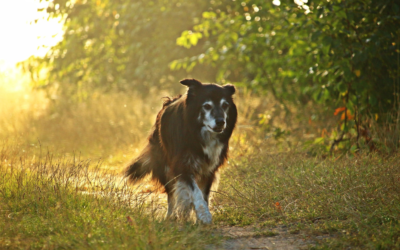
{"x": 67, "y": 199}
{"x": 386, "y": 135}
{"x": 356, "y": 200}
{"x": 67, "y": 203}
{"x": 97, "y": 127}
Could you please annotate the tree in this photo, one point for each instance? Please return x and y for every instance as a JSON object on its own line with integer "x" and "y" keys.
{"x": 338, "y": 52}
{"x": 118, "y": 44}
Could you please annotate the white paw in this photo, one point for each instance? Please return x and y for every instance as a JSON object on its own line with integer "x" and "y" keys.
{"x": 205, "y": 217}
{"x": 202, "y": 212}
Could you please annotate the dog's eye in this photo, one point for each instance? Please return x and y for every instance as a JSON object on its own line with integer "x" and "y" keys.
{"x": 207, "y": 106}
{"x": 225, "y": 105}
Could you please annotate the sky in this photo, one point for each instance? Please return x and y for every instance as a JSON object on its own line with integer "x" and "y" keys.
{"x": 18, "y": 38}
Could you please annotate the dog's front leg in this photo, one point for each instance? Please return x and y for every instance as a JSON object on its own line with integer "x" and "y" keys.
{"x": 200, "y": 205}
{"x": 186, "y": 195}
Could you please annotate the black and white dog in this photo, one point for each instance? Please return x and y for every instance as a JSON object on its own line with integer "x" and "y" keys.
{"x": 188, "y": 144}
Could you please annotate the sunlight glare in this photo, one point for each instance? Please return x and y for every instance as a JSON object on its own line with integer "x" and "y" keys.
{"x": 18, "y": 38}
{"x": 276, "y": 2}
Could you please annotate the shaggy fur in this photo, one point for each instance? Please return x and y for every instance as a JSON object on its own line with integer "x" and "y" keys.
{"x": 188, "y": 144}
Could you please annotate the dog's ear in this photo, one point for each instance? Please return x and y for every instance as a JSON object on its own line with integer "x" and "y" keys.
{"x": 191, "y": 83}
{"x": 230, "y": 88}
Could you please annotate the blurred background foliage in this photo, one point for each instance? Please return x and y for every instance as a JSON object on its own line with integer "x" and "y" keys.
{"x": 120, "y": 45}
{"x": 341, "y": 56}
{"x": 342, "y": 52}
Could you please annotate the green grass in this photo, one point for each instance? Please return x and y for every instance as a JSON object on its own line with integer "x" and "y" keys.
{"x": 42, "y": 207}
{"x": 66, "y": 201}
{"x": 353, "y": 199}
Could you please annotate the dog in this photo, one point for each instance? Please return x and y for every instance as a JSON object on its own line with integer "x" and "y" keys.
{"x": 188, "y": 144}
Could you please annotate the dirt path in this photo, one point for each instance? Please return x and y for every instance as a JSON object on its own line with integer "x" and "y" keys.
{"x": 247, "y": 238}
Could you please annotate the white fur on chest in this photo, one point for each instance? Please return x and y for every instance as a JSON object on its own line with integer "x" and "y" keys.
{"x": 212, "y": 148}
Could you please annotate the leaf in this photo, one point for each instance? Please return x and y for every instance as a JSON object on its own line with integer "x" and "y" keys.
{"x": 278, "y": 206}
{"x": 195, "y": 38}
{"x": 319, "y": 140}
{"x": 349, "y": 115}
{"x": 209, "y": 15}
{"x": 372, "y": 100}
{"x": 315, "y": 36}
{"x": 338, "y": 110}
{"x": 327, "y": 40}
{"x": 357, "y": 72}
{"x": 173, "y": 64}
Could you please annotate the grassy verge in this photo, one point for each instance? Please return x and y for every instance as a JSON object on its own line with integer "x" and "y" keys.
{"x": 48, "y": 204}
{"x": 356, "y": 200}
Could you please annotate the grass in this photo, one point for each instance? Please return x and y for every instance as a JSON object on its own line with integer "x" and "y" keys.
{"x": 75, "y": 198}
{"x": 356, "y": 200}
{"x": 69, "y": 204}
{"x": 266, "y": 234}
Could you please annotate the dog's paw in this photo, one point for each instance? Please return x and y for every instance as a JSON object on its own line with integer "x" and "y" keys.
{"x": 202, "y": 212}
{"x": 205, "y": 218}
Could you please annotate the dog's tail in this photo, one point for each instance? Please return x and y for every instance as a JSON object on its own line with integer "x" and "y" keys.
{"x": 139, "y": 167}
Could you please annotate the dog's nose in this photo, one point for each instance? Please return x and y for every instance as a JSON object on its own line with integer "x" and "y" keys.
{"x": 220, "y": 122}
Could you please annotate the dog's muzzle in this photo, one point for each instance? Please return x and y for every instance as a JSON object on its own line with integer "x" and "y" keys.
{"x": 219, "y": 125}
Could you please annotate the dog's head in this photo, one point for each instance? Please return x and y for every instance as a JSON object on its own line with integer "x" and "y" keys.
{"x": 211, "y": 104}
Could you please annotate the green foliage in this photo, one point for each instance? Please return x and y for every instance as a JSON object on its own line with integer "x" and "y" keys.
{"x": 115, "y": 44}
{"x": 331, "y": 53}
{"x": 343, "y": 53}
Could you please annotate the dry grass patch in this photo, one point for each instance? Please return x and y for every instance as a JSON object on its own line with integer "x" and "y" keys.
{"x": 354, "y": 199}
{"x": 67, "y": 203}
